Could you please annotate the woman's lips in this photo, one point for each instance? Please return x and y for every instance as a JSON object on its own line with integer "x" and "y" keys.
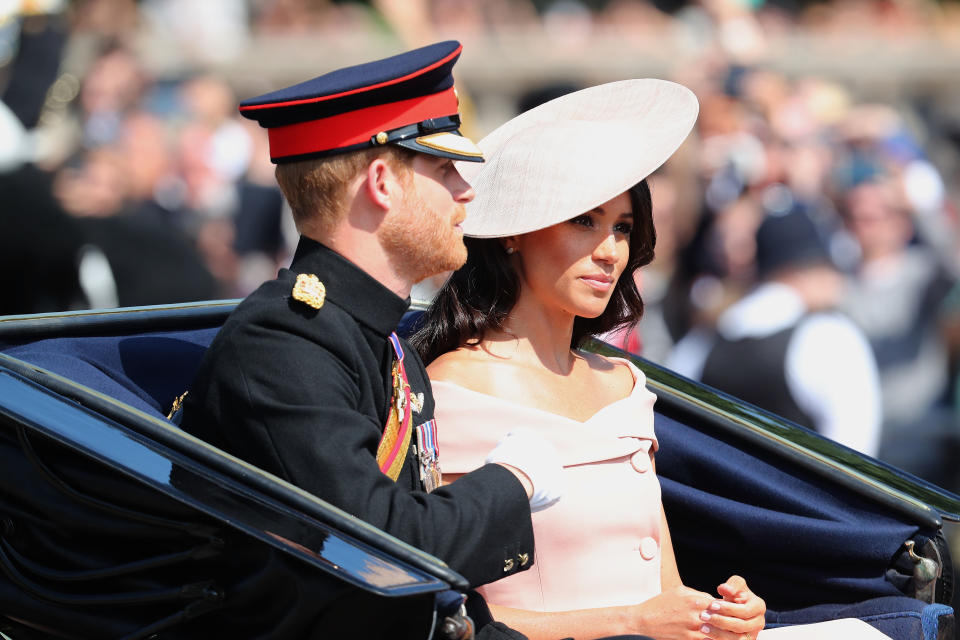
{"x": 598, "y": 282}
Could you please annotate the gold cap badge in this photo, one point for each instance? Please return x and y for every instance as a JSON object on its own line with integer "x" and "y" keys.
{"x": 309, "y": 290}
{"x": 382, "y": 137}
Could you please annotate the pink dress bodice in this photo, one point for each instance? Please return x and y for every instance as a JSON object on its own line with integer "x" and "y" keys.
{"x": 600, "y": 544}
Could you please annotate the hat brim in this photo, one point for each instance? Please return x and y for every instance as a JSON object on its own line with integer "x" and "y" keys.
{"x": 574, "y": 153}
{"x": 445, "y": 144}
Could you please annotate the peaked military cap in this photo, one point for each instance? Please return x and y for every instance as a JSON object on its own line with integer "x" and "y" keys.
{"x": 407, "y": 100}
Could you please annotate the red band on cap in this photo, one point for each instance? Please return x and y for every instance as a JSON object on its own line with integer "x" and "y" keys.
{"x": 370, "y": 87}
{"x": 358, "y": 126}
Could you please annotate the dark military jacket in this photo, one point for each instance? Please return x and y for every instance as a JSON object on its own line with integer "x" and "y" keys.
{"x": 303, "y": 393}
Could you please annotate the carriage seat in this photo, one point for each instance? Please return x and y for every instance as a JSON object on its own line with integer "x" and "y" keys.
{"x": 147, "y": 371}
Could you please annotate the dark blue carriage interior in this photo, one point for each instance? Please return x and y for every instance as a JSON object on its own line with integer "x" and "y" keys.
{"x": 812, "y": 547}
{"x": 146, "y": 371}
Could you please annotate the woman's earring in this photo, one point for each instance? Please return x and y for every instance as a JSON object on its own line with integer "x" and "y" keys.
{"x": 511, "y": 250}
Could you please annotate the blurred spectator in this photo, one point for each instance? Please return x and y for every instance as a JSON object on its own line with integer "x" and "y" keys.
{"x": 34, "y": 68}
{"x": 145, "y": 147}
{"x": 114, "y": 85}
{"x": 39, "y": 246}
{"x": 784, "y": 349}
{"x": 234, "y": 203}
{"x": 265, "y": 235}
{"x": 895, "y": 296}
{"x": 130, "y": 256}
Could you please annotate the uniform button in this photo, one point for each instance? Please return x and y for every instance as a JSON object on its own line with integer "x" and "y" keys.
{"x": 524, "y": 559}
{"x": 649, "y": 548}
{"x": 640, "y": 461}
{"x": 508, "y": 565}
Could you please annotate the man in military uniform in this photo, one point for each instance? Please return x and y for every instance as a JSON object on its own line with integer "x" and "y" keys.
{"x": 306, "y": 379}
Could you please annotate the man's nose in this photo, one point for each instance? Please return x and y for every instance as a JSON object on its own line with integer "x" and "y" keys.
{"x": 461, "y": 189}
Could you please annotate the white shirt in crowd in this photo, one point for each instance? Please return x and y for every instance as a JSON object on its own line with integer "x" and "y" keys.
{"x": 830, "y": 370}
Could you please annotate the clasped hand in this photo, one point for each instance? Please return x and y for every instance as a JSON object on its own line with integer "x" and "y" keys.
{"x": 682, "y": 613}
{"x": 739, "y": 616}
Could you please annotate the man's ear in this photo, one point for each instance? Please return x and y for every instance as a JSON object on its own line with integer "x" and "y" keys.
{"x": 379, "y": 185}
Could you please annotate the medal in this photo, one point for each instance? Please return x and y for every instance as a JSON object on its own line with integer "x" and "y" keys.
{"x": 428, "y": 455}
{"x": 416, "y": 399}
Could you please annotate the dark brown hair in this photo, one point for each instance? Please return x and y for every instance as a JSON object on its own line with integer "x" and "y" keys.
{"x": 479, "y": 295}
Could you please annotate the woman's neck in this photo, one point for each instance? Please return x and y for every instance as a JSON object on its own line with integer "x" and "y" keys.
{"x": 535, "y": 333}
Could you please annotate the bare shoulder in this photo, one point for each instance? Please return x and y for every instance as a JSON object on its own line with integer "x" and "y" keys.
{"x": 445, "y": 364}
{"x": 477, "y": 369}
{"x": 617, "y": 375}
{"x": 465, "y": 366}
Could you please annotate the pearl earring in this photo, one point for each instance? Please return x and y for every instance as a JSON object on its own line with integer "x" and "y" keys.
{"x": 511, "y": 250}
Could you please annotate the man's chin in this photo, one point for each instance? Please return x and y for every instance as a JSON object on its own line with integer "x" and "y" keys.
{"x": 460, "y": 257}
{"x": 448, "y": 266}
{"x": 451, "y": 260}
{"x": 454, "y": 254}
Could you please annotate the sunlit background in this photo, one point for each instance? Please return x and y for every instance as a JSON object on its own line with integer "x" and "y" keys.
{"x": 127, "y": 177}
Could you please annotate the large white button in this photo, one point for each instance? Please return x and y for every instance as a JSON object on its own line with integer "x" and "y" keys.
{"x": 649, "y": 548}
{"x": 640, "y": 461}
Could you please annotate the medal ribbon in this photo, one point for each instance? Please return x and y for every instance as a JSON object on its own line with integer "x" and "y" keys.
{"x": 429, "y": 431}
{"x": 395, "y": 442}
{"x": 429, "y": 456}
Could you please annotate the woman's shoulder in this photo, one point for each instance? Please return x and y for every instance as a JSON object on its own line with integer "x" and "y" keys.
{"x": 619, "y": 372}
{"x": 480, "y": 370}
{"x": 466, "y": 366}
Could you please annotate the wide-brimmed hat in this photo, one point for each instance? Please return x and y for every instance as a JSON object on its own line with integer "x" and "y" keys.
{"x": 574, "y": 153}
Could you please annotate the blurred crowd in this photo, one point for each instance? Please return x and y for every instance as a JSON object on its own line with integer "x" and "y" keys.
{"x": 124, "y": 186}
{"x": 794, "y": 201}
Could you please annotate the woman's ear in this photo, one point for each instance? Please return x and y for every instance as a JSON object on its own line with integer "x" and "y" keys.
{"x": 509, "y": 244}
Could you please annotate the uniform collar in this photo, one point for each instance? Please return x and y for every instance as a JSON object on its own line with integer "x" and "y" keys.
{"x": 350, "y": 287}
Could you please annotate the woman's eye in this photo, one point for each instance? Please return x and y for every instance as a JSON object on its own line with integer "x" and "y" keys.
{"x": 624, "y": 227}
{"x": 584, "y": 221}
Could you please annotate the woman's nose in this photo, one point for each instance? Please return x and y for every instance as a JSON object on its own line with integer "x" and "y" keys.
{"x": 606, "y": 251}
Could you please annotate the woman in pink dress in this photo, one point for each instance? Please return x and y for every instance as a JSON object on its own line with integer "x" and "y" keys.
{"x": 561, "y": 220}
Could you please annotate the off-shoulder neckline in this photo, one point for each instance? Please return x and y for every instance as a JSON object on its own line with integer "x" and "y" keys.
{"x": 637, "y": 386}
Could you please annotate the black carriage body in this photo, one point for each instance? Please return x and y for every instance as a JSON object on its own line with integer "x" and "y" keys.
{"x": 114, "y": 523}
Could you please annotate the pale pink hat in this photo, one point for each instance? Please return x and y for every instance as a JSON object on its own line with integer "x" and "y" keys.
{"x": 569, "y": 155}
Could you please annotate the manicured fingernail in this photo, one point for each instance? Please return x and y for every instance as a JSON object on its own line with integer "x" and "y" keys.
{"x": 705, "y": 616}
{"x": 714, "y": 606}
{"x": 705, "y": 629}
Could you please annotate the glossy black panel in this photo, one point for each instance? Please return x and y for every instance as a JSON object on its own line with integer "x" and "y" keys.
{"x": 177, "y": 476}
